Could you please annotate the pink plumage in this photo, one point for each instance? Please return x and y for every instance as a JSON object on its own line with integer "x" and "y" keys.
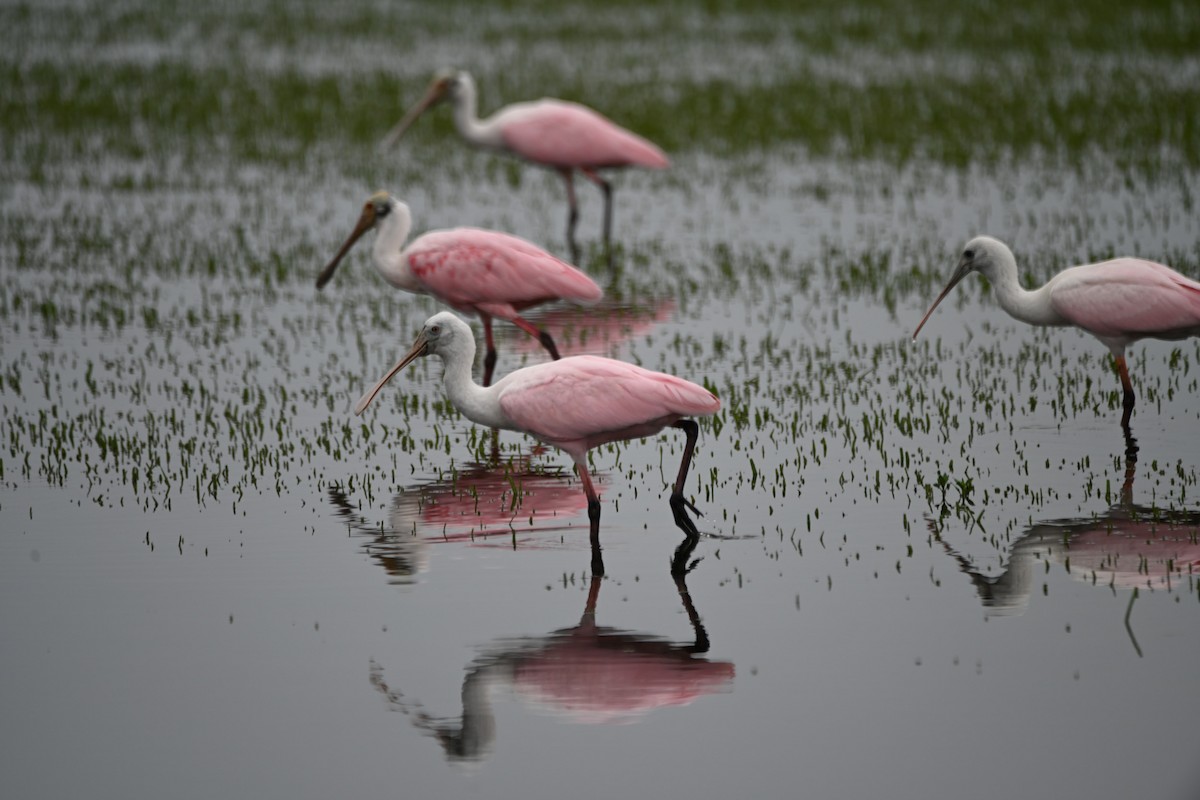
{"x": 558, "y": 134}
{"x": 472, "y": 269}
{"x": 564, "y": 135}
{"x": 476, "y": 271}
{"x": 1127, "y": 299}
{"x": 574, "y": 404}
{"x": 581, "y": 402}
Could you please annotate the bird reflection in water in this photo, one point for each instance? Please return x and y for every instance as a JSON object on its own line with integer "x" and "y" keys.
{"x": 585, "y": 674}
{"x": 1129, "y": 546}
{"x": 401, "y": 554}
{"x": 598, "y": 330}
{"x": 513, "y": 499}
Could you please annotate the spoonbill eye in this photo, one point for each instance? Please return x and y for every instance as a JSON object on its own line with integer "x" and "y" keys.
{"x": 968, "y": 254}
{"x": 382, "y": 209}
{"x": 435, "y": 329}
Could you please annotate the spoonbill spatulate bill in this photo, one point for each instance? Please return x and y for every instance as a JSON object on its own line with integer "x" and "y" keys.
{"x": 558, "y": 134}
{"x": 475, "y": 271}
{"x": 1118, "y": 301}
{"x": 574, "y": 404}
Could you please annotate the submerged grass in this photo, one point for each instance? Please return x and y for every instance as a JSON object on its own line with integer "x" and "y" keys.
{"x": 162, "y": 229}
{"x": 173, "y": 175}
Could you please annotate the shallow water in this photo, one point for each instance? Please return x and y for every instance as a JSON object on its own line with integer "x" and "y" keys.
{"x": 920, "y": 560}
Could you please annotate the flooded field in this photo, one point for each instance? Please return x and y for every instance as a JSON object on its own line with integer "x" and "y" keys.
{"x": 928, "y": 569}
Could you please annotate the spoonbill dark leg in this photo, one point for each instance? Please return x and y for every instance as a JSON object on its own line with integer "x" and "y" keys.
{"x": 542, "y": 336}
{"x": 679, "y": 503}
{"x": 489, "y": 360}
{"x": 605, "y": 187}
{"x": 1131, "y": 454}
{"x": 1127, "y": 385}
{"x": 679, "y": 572}
{"x": 593, "y": 515}
{"x": 572, "y": 215}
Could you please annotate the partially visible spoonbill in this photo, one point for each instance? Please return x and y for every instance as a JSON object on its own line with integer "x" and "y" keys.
{"x": 472, "y": 270}
{"x": 1118, "y": 301}
{"x": 558, "y": 134}
{"x": 574, "y": 404}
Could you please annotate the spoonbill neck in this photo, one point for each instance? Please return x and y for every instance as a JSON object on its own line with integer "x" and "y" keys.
{"x": 1029, "y": 306}
{"x": 388, "y": 251}
{"x": 479, "y": 404}
{"x": 481, "y": 133}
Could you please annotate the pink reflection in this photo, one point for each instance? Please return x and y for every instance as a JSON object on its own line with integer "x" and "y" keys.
{"x": 1134, "y": 550}
{"x": 482, "y": 501}
{"x": 510, "y": 502}
{"x": 1129, "y": 546}
{"x": 592, "y": 674}
{"x": 600, "y": 330}
{"x": 584, "y": 674}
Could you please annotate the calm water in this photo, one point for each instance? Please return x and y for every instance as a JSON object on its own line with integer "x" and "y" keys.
{"x": 929, "y": 570}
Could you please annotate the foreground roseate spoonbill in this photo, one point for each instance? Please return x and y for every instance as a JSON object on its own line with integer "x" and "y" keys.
{"x": 573, "y": 404}
{"x": 561, "y": 135}
{"x": 1118, "y": 301}
{"x": 475, "y": 271}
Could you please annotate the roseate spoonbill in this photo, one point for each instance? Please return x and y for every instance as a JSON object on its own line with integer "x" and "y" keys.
{"x": 574, "y": 404}
{"x": 1118, "y": 301}
{"x": 558, "y": 134}
{"x": 475, "y": 271}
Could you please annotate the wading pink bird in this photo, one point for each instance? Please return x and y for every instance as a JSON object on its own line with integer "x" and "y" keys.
{"x": 561, "y": 135}
{"x": 573, "y": 404}
{"x": 475, "y": 271}
{"x": 1118, "y": 301}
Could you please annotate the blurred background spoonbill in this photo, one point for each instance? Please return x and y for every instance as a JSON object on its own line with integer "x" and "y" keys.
{"x": 1118, "y": 301}
{"x": 574, "y": 404}
{"x": 475, "y": 271}
{"x": 558, "y": 134}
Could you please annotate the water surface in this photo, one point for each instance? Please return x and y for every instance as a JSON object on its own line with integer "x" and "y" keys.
{"x": 920, "y": 560}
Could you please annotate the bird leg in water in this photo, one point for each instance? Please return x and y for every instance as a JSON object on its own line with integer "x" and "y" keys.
{"x": 680, "y": 566}
{"x": 679, "y": 503}
{"x": 593, "y": 516}
{"x": 597, "y": 559}
{"x": 1131, "y": 454}
{"x": 543, "y": 337}
{"x": 1127, "y": 385}
{"x": 495, "y": 453}
{"x": 489, "y": 360}
{"x": 679, "y": 572}
{"x": 572, "y": 216}
{"x": 605, "y": 187}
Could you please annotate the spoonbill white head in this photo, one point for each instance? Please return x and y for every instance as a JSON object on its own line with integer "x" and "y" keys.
{"x": 447, "y": 84}
{"x": 442, "y": 332}
{"x": 375, "y": 210}
{"x": 984, "y": 255}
